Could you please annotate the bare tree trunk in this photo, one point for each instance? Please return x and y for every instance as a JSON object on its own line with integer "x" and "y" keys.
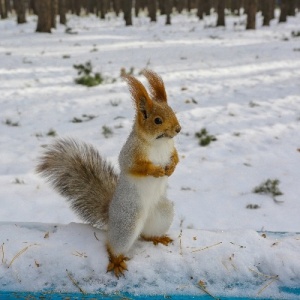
{"x": 152, "y": 8}
{"x": 32, "y": 7}
{"x": 283, "y": 11}
{"x": 273, "y": 5}
{"x": 181, "y": 4}
{"x": 116, "y": 6}
{"x": 251, "y": 18}
{"x": 21, "y": 11}
{"x": 127, "y": 7}
{"x": 3, "y": 9}
{"x": 44, "y": 16}
{"x": 235, "y": 7}
{"x": 62, "y": 12}
{"x": 189, "y": 5}
{"x": 168, "y": 9}
{"x": 137, "y": 7}
{"x": 206, "y": 7}
{"x": 161, "y": 6}
{"x": 221, "y": 13}
{"x": 8, "y": 5}
{"x": 91, "y": 6}
{"x": 291, "y": 8}
{"x": 103, "y": 8}
{"x": 200, "y": 9}
{"x": 54, "y": 12}
{"x": 76, "y": 7}
{"x": 266, "y": 11}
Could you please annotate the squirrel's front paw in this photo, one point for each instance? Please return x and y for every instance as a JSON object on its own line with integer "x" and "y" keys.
{"x": 159, "y": 172}
{"x": 169, "y": 169}
{"x": 117, "y": 264}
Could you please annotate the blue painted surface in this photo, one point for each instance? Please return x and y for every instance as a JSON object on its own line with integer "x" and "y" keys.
{"x": 78, "y": 296}
{"x": 289, "y": 290}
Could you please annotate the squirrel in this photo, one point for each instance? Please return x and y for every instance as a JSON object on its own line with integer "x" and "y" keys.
{"x": 132, "y": 204}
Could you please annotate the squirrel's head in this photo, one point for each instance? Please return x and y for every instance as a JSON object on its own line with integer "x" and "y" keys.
{"x": 155, "y": 119}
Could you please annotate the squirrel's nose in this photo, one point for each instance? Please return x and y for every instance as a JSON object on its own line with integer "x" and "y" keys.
{"x": 177, "y": 129}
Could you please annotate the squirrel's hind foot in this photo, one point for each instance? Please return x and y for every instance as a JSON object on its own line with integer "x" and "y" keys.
{"x": 117, "y": 264}
{"x": 165, "y": 240}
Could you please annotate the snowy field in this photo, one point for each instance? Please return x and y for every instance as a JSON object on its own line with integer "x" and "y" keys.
{"x": 243, "y": 87}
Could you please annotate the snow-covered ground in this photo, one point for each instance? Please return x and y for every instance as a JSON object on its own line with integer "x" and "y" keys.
{"x": 242, "y": 86}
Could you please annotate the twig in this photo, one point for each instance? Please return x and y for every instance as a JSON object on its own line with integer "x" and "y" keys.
{"x": 267, "y": 285}
{"x": 201, "y": 285}
{"x": 180, "y": 242}
{"x": 237, "y": 245}
{"x": 74, "y": 282}
{"x": 2, "y": 250}
{"x": 207, "y": 247}
{"x": 96, "y": 236}
{"x": 20, "y": 253}
{"x": 264, "y": 275}
{"x": 79, "y": 254}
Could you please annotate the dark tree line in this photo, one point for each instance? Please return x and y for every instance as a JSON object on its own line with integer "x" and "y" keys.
{"x": 48, "y": 10}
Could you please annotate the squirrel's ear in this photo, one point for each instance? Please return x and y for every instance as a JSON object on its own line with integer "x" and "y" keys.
{"x": 140, "y": 96}
{"x": 157, "y": 87}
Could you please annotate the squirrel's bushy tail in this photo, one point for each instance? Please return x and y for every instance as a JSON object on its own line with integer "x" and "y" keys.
{"x": 79, "y": 173}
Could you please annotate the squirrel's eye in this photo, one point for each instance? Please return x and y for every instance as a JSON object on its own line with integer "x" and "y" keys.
{"x": 158, "y": 121}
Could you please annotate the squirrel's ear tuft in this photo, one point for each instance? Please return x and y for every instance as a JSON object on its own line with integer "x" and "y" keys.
{"x": 157, "y": 87}
{"x": 140, "y": 96}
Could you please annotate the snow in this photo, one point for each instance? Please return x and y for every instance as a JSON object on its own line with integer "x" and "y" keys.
{"x": 242, "y": 86}
{"x": 226, "y": 261}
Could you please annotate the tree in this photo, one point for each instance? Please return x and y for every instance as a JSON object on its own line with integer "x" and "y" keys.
{"x": 206, "y": 7}
{"x": 161, "y": 6}
{"x": 44, "y": 16}
{"x": 283, "y": 11}
{"x": 251, "y": 18}
{"x": 20, "y": 8}
{"x": 127, "y": 7}
{"x": 32, "y": 7}
{"x": 103, "y": 8}
{"x": 235, "y": 6}
{"x": 62, "y": 8}
{"x": 181, "y": 4}
{"x": 76, "y": 7}
{"x": 168, "y": 10}
{"x": 116, "y": 6}
{"x": 291, "y": 8}
{"x": 273, "y": 5}
{"x": 152, "y": 7}
{"x": 3, "y": 9}
{"x": 54, "y": 11}
{"x": 266, "y": 11}
{"x": 221, "y": 13}
{"x": 200, "y": 9}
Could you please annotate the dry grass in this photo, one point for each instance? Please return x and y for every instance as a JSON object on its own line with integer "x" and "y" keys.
{"x": 2, "y": 250}
{"x": 271, "y": 277}
{"x": 207, "y": 247}
{"x": 202, "y": 286}
{"x": 75, "y": 283}
{"x": 20, "y": 253}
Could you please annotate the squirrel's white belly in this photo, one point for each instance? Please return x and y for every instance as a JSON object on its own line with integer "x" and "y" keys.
{"x": 151, "y": 189}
